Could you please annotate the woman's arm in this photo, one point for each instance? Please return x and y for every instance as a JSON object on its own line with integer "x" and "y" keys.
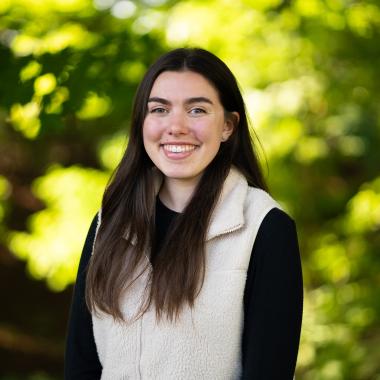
{"x": 273, "y": 301}
{"x": 81, "y": 358}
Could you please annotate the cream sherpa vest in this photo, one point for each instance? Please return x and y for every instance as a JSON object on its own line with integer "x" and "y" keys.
{"x": 205, "y": 343}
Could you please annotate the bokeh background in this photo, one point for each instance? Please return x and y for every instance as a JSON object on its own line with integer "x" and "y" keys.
{"x": 309, "y": 71}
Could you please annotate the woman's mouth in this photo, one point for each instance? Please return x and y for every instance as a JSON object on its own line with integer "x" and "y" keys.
{"x": 179, "y": 148}
{"x": 178, "y": 151}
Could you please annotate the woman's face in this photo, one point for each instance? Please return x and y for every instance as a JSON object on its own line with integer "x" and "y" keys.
{"x": 184, "y": 126}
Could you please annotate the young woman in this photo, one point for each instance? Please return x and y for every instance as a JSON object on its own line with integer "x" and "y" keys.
{"x": 190, "y": 270}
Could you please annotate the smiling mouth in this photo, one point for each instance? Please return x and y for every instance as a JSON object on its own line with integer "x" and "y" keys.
{"x": 179, "y": 148}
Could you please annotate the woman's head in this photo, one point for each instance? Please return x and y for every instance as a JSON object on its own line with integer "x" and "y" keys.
{"x": 218, "y": 75}
{"x": 185, "y": 125}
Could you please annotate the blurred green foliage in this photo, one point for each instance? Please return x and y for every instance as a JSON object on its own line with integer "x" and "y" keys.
{"x": 309, "y": 74}
{"x": 56, "y": 233}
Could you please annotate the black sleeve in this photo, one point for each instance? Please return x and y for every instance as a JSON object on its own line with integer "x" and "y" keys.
{"x": 81, "y": 358}
{"x": 273, "y": 301}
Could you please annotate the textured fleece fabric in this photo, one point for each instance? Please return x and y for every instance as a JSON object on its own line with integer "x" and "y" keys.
{"x": 205, "y": 343}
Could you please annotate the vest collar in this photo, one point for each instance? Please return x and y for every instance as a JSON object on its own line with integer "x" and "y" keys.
{"x": 228, "y": 214}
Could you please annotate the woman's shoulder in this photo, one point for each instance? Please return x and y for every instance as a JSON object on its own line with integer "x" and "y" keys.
{"x": 260, "y": 203}
{"x": 277, "y": 220}
{"x": 91, "y": 236}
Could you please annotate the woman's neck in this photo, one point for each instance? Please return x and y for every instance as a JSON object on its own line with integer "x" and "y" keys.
{"x": 175, "y": 194}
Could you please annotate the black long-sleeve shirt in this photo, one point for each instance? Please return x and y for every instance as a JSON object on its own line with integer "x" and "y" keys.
{"x": 273, "y": 299}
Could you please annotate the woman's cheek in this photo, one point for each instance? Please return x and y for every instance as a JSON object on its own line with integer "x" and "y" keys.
{"x": 152, "y": 130}
{"x": 205, "y": 131}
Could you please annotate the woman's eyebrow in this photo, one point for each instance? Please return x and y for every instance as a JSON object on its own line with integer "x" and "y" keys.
{"x": 196, "y": 99}
{"x": 156, "y": 99}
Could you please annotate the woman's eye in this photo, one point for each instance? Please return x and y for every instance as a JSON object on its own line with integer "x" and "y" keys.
{"x": 158, "y": 110}
{"x": 197, "y": 111}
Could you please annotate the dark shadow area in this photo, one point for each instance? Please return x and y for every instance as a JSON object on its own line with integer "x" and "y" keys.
{"x": 32, "y": 323}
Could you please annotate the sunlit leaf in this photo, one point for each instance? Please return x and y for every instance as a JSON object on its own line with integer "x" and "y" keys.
{"x": 45, "y": 84}
{"x": 94, "y": 106}
{"x": 25, "y": 119}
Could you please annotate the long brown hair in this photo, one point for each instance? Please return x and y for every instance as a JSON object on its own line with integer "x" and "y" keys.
{"x": 129, "y": 203}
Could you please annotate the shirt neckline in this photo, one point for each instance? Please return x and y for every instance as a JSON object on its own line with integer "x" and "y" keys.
{"x": 161, "y": 207}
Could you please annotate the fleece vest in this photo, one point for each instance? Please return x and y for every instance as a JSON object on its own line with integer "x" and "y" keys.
{"x": 205, "y": 342}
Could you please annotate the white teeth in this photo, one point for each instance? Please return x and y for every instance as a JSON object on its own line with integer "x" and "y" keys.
{"x": 179, "y": 148}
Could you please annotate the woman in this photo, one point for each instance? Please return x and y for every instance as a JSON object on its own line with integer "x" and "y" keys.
{"x": 191, "y": 270}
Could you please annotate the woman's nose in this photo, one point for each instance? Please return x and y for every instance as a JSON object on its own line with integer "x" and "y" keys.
{"x": 178, "y": 124}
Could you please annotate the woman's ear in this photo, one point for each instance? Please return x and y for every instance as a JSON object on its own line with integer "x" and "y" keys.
{"x": 231, "y": 122}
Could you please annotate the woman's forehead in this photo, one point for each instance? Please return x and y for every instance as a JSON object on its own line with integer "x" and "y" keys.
{"x": 182, "y": 84}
